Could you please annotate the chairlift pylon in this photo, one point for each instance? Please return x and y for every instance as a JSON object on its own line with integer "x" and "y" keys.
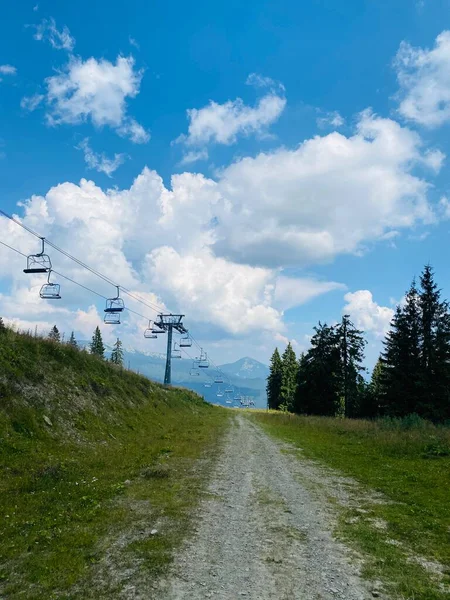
{"x": 149, "y": 334}
{"x": 40, "y": 262}
{"x": 50, "y": 291}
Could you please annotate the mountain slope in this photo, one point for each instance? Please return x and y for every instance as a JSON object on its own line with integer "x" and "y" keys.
{"x": 93, "y": 459}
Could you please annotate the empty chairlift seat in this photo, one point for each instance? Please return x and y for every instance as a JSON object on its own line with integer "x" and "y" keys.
{"x": 39, "y": 263}
{"x": 50, "y": 291}
{"x": 114, "y": 306}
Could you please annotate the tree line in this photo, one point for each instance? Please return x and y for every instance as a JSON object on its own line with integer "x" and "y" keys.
{"x": 96, "y": 345}
{"x": 411, "y": 376}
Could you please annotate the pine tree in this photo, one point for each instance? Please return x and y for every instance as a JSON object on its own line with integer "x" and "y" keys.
{"x": 320, "y": 374}
{"x": 54, "y": 334}
{"x": 2, "y": 327}
{"x": 300, "y": 399}
{"x": 401, "y": 374}
{"x": 435, "y": 350}
{"x": 117, "y": 353}
{"x": 274, "y": 381}
{"x": 288, "y": 378}
{"x": 351, "y": 349}
{"x": 97, "y": 348}
{"x": 72, "y": 341}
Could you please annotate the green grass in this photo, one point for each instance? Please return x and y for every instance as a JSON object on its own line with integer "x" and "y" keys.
{"x": 79, "y": 497}
{"x": 409, "y": 463}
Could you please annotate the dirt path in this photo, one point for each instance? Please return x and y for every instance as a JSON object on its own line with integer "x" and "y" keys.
{"x": 262, "y": 534}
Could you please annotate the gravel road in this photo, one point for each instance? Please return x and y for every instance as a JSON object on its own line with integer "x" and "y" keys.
{"x": 262, "y": 533}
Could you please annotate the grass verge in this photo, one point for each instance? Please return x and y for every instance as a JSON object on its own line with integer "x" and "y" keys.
{"x": 100, "y": 470}
{"x": 406, "y": 538}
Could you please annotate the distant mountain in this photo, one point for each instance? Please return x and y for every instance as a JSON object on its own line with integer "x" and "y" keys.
{"x": 246, "y": 368}
{"x": 247, "y": 377}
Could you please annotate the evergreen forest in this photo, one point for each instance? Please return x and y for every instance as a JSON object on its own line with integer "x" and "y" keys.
{"x": 411, "y": 376}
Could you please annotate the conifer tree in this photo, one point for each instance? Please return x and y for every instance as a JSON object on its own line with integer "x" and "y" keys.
{"x": 274, "y": 381}
{"x": 54, "y": 334}
{"x": 401, "y": 369}
{"x": 117, "y": 353}
{"x": 2, "y": 327}
{"x": 351, "y": 349}
{"x": 97, "y": 348}
{"x": 288, "y": 378}
{"x": 320, "y": 375}
{"x": 72, "y": 341}
{"x": 434, "y": 400}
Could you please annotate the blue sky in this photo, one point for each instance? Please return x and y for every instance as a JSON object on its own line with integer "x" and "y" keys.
{"x": 320, "y": 131}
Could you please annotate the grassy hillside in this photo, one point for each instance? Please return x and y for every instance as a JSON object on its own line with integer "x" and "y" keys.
{"x": 99, "y": 471}
{"x": 408, "y": 534}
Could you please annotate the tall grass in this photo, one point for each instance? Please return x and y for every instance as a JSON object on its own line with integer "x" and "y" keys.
{"x": 83, "y": 445}
{"x": 408, "y": 461}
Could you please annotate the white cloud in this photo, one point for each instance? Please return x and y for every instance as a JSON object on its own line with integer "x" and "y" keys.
{"x": 133, "y": 42}
{"x": 216, "y": 249}
{"x": 96, "y": 90}
{"x": 7, "y": 70}
{"x": 259, "y": 81}
{"x": 292, "y": 291}
{"x": 193, "y": 156}
{"x": 223, "y": 123}
{"x": 444, "y": 207}
{"x": 31, "y": 102}
{"x": 367, "y": 314}
{"x": 59, "y": 39}
{"x": 329, "y": 196}
{"x": 100, "y": 162}
{"x": 330, "y": 119}
{"x": 424, "y": 78}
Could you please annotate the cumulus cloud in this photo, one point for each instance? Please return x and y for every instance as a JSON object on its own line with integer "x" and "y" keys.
{"x": 217, "y": 249}
{"x": 59, "y": 39}
{"x": 367, "y": 314}
{"x": 224, "y": 123}
{"x": 98, "y": 161}
{"x": 193, "y": 156}
{"x": 96, "y": 90}
{"x": 327, "y": 197}
{"x": 424, "y": 78}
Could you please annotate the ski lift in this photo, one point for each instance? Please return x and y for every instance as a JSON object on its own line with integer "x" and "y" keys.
{"x": 176, "y": 352}
{"x": 50, "y": 291}
{"x": 237, "y": 397}
{"x": 219, "y": 393}
{"x": 39, "y": 263}
{"x": 218, "y": 379}
{"x": 228, "y": 401}
{"x": 194, "y": 371}
{"x": 207, "y": 385}
{"x": 115, "y": 305}
{"x": 203, "y": 361}
{"x": 149, "y": 333}
{"x": 112, "y": 318}
{"x": 185, "y": 341}
{"x": 229, "y": 390}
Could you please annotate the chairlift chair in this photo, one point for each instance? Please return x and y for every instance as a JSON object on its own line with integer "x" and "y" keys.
{"x": 194, "y": 371}
{"x": 149, "y": 333}
{"x": 219, "y": 393}
{"x": 115, "y": 305}
{"x": 50, "y": 291}
{"x": 207, "y": 384}
{"x": 176, "y": 352}
{"x": 185, "y": 341}
{"x": 203, "y": 361}
{"x": 39, "y": 263}
{"x": 218, "y": 379}
{"x": 112, "y": 318}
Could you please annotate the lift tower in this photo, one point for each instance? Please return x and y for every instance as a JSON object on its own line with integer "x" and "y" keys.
{"x": 169, "y": 323}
